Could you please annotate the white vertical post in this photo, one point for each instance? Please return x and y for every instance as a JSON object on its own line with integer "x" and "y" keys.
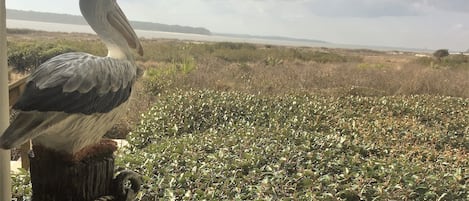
{"x": 5, "y": 180}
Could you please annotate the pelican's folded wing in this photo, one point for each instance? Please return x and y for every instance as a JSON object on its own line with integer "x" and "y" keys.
{"x": 78, "y": 83}
{"x": 54, "y": 99}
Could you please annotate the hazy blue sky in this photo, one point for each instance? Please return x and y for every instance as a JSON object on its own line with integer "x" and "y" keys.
{"x": 403, "y": 23}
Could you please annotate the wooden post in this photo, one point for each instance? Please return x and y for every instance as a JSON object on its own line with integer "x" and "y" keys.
{"x": 24, "y": 153}
{"x": 15, "y": 89}
{"x": 5, "y": 180}
{"x": 86, "y": 176}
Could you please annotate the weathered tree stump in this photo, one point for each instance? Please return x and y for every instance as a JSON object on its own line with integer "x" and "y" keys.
{"x": 86, "y": 176}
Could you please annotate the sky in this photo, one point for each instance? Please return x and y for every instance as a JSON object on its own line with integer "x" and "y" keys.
{"x": 424, "y": 24}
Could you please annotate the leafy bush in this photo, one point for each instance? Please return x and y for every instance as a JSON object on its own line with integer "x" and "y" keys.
{"x": 21, "y": 188}
{"x": 427, "y": 61}
{"x": 236, "y": 55}
{"x": 441, "y": 53}
{"x": 158, "y": 79}
{"x": 234, "y": 46}
{"x": 456, "y": 61}
{"x": 212, "y": 145}
{"x": 320, "y": 57}
{"x": 451, "y": 61}
{"x": 26, "y": 56}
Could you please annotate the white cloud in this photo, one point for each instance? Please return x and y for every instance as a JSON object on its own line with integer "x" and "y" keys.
{"x": 449, "y": 5}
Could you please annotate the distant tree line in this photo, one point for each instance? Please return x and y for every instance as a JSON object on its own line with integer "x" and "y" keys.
{"x": 169, "y": 28}
{"x": 79, "y": 20}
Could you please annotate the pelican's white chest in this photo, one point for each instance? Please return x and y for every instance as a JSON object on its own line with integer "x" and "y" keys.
{"x": 72, "y": 132}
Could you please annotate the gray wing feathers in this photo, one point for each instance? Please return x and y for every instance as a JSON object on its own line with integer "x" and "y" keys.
{"x": 82, "y": 72}
{"x": 23, "y": 128}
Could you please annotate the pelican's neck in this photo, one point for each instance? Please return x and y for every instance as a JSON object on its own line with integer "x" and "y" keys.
{"x": 117, "y": 51}
{"x": 95, "y": 13}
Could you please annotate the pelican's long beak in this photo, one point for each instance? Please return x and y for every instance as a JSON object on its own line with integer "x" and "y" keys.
{"x": 119, "y": 21}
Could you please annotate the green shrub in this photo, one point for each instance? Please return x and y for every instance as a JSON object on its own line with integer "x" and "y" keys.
{"x": 234, "y": 46}
{"x": 21, "y": 185}
{"x": 238, "y": 55}
{"x": 158, "y": 79}
{"x": 27, "y": 55}
{"x": 457, "y": 61}
{"x": 441, "y": 53}
{"x": 323, "y": 57}
{"x": 426, "y": 61}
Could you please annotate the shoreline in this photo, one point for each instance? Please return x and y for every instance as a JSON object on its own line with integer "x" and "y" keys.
{"x": 70, "y": 28}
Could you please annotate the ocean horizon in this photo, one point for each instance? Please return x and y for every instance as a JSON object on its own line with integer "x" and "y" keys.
{"x": 73, "y": 28}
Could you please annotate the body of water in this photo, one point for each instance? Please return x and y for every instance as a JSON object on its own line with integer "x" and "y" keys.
{"x": 57, "y": 27}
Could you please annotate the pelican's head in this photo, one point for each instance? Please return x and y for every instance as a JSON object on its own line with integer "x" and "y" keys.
{"x": 110, "y": 23}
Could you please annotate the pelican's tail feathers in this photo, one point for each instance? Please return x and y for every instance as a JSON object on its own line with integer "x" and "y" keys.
{"x": 22, "y": 129}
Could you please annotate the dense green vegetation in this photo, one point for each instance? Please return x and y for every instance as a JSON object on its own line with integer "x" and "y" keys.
{"x": 196, "y": 145}
{"x": 26, "y": 55}
{"x": 234, "y": 121}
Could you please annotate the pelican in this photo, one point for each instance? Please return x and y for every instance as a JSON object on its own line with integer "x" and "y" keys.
{"x": 71, "y": 100}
